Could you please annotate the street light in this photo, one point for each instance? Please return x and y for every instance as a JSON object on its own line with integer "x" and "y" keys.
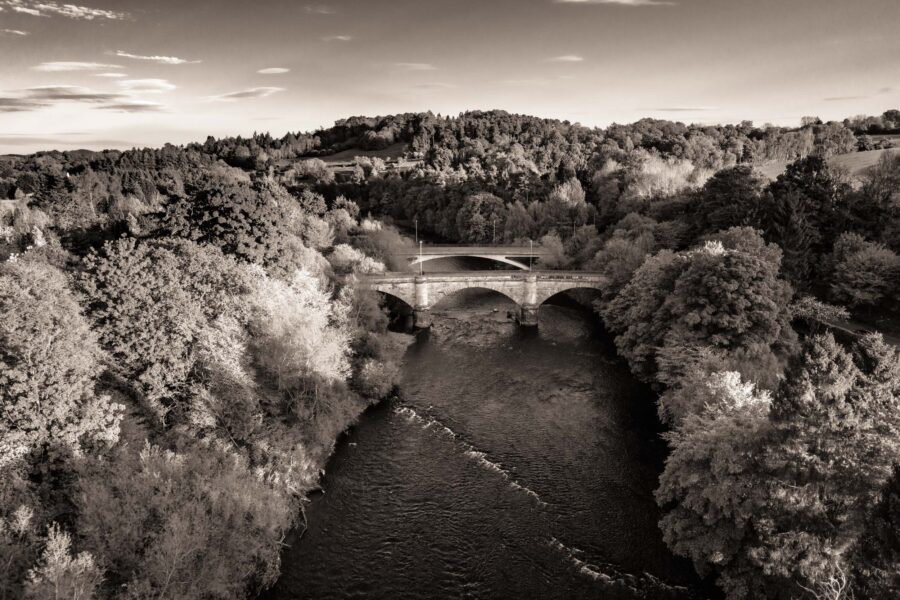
{"x": 421, "y": 264}
{"x": 530, "y": 253}
{"x": 416, "y": 220}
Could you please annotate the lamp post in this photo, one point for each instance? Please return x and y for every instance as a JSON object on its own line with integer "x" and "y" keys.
{"x": 530, "y": 252}
{"x": 416, "y": 220}
{"x": 494, "y": 235}
{"x": 421, "y": 265}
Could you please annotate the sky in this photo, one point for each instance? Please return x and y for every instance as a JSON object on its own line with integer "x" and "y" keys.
{"x": 125, "y": 73}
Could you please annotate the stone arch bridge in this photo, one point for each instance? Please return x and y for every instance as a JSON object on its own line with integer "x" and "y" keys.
{"x": 528, "y": 289}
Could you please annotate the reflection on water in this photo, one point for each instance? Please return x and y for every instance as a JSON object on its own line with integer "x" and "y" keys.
{"x": 516, "y": 464}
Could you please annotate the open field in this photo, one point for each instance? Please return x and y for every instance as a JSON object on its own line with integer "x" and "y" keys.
{"x": 855, "y": 163}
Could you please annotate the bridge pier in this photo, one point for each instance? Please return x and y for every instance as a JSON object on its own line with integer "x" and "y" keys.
{"x": 528, "y": 316}
{"x": 421, "y": 310}
{"x": 421, "y": 318}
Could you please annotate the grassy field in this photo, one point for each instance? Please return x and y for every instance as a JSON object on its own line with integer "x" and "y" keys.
{"x": 855, "y": 163}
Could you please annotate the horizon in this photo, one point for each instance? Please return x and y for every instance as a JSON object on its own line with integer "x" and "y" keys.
{"x": 117, "y": 75}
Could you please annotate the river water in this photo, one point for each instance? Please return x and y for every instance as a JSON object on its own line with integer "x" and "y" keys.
{"x": 514, "y": 464}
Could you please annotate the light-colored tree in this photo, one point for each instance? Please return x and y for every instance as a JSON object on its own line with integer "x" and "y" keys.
{"x": 61, "y": 576}
{"x": 297, "y": 330}
{"x": 49, "y": 364}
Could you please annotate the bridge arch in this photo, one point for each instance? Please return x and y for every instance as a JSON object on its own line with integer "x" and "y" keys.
{"x": 543, "y": 297}
{"x": 405, "y": 296}
{"x": 440, "y": 297}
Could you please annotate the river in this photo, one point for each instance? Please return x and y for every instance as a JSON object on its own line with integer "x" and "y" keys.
{"x": 513, "y": 464}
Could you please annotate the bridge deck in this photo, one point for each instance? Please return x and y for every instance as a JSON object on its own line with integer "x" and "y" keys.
{"x": 460, "y": 250}
{"x": 397, "y": 276}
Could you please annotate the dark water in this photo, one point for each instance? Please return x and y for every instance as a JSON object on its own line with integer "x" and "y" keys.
{"x": 513, "y": 465}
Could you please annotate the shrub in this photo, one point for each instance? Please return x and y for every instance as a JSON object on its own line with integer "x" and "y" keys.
{"x": 194, "y": 524}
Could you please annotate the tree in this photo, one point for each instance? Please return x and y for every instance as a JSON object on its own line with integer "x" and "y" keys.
{"x": 806, "y": 207}
{"x": 194, "y": 524}
{"x": 49, "y": 365}
{"x": 480, "y": 216}
{"x": 248, "y": 221}
{"x": 59, "y": 575}
{"x": 150, "y": 300}
{"x": 876, "y": 557}
{"x": 519, "y": 224}
{"x": 837, "y": 440}
{"x": 300, "y": 338}
{"x": 713, "y": 488}
{"x": 729, "y": 198}
{"x": 772, "y": 492}
{"x": 865, "y": 273}
{"x": 725, "y": 297}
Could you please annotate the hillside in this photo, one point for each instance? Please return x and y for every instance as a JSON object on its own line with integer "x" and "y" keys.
{"x": 855, "y": 163}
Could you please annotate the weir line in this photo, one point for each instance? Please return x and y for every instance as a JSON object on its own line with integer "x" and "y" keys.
{"x": 608, "y": 574}
{"x": 604, "y": 573}
{"x": 469, "y": 451}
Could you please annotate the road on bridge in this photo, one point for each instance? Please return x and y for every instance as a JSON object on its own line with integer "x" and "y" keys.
{"x": 462, "y": 250}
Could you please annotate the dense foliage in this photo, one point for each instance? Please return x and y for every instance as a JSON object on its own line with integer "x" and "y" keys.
{"x": 182, "y": 337}
{"x": 177, "y": 357}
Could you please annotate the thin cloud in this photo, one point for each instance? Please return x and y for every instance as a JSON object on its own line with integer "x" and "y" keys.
{"x": 843, "y": 98}
{"x": 566, "y": 58}
{"x": 410, "y": 66}
{"x": 36, "y": 98}
{"x": 71, "y": 11}
{"x": 133, "y": 107}
{"x": 72, "y": 93}
{"x": 165, "y": 60}
{"x": 15, "y": 32}
{"x": 273, "y": 71}
{"x": 256, "y": 92}
{"x": 53, "y": 141}
{"x": 9, "y": 104}
{"x": 434, "y": 86}
{"x": 110, "y": 75}
{"x": 66, "y": 65}
{"x": 147, "y": 86}
{"x": 619, "y": 2}
{"x": 526, "y": 82}
{"x": 684, "y": 109}
{"x": 337, "y": 38}
{"x": 319, "y": 9}
{"x": 879, "y": 92}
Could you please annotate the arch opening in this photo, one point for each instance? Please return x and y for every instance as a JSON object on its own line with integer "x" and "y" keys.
{"x": 399, "y": 311}
{"x": 475, "y": 297}
{"x": 583, "y": 296}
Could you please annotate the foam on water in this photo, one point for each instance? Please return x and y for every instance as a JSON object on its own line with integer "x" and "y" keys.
{"x": 468, "y": 450}
{"x": 609, "y": 575}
